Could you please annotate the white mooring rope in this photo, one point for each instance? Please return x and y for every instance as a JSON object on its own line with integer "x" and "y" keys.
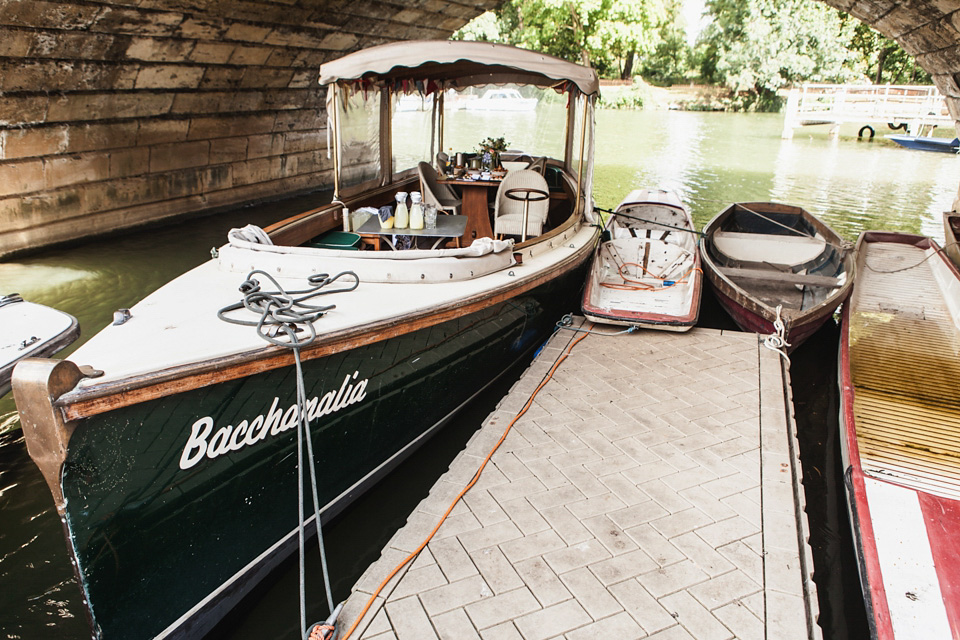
{"x": 777, "y": 340}
{"x": 282, "y": 315}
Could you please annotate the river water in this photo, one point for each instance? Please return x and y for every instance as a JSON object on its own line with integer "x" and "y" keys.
{"x": 711, "y": 159}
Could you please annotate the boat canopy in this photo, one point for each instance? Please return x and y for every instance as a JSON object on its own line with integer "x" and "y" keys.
{"x": 457, "y": 63}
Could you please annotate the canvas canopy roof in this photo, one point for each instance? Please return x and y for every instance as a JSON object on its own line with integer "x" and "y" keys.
{"x": 458, "y": 63}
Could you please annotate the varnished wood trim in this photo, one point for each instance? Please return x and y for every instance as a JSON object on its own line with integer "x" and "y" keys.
{"x": 38, "y": 382}
{"x": 95, "y": 399}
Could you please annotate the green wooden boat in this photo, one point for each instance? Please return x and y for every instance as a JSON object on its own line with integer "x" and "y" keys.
{"x": 168, "y": 441}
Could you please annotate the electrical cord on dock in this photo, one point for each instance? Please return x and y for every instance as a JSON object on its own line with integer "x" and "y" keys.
{"x": 476, "y": 476}
{"x": 282, "y": 314}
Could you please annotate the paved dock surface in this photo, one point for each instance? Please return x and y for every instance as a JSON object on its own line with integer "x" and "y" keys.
{"x": 651, "y": 490}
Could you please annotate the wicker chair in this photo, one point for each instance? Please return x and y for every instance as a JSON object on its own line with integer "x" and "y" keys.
{"x": 435, "y": 193}
{"x": 508, "y": 213}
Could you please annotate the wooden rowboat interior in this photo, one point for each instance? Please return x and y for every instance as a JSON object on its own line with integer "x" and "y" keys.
{"x": 778, "y": 254}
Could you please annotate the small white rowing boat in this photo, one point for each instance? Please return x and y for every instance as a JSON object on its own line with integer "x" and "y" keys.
{"x": 646, "y": 270}
{"x": 30, "y": 330}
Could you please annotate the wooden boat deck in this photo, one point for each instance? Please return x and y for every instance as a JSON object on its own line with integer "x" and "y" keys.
{"x": 652, "y": 489}
{"x": 902, "y": 327}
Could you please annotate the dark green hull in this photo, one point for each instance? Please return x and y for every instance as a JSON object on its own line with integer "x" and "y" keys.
{"x": 172, "y": 517}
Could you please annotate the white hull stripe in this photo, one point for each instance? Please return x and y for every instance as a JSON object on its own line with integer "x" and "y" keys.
{"x": 906, "y": 562}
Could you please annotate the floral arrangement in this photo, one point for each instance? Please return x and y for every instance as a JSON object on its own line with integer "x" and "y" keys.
{"x": 490, "y": 150}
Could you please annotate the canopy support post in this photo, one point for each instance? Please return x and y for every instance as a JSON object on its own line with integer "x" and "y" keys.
{"x": 336, "y": 142}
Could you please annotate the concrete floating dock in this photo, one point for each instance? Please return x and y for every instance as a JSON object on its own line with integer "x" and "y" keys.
{"x": 651, "y": 490}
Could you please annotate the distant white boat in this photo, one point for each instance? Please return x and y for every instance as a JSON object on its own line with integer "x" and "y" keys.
{"x": 30, "y": 330}
{"x": 501, "y": 100}
{"x": 415, "y": 102}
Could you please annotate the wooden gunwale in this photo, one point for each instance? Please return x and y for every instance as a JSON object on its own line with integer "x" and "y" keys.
{"x": 95, "y": 399}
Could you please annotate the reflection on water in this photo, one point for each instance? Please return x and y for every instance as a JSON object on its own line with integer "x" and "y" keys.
{"x": 711, "y": 159}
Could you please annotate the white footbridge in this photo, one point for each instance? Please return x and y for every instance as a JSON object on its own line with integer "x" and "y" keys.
{"x": 909, "y": 107}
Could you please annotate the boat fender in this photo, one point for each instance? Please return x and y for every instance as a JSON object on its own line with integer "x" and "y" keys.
{"x": 121, "y": 315}
{"x": 867, "y": 128}
{"x": 902, "y": 125}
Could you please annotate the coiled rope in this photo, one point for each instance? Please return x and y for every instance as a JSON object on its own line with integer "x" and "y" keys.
{"x": 476, "y": 476}
{"x": 777, "y": 340}
{"x": 282, "y": 314}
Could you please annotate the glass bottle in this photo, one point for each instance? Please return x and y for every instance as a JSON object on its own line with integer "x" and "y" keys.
{"x": 402, "y": 216}
{"x": 416, "y": 210}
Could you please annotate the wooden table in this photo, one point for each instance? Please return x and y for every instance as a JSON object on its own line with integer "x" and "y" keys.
{"x": 474, "y": 206}
{"x": 447, "y": 227}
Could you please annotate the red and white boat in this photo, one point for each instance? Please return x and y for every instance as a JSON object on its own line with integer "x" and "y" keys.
{"x": 900, "y": 415}
{"x": 646, "y": 269}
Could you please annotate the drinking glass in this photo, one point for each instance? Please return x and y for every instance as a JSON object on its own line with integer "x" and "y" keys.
{"x": 430, "y": 216}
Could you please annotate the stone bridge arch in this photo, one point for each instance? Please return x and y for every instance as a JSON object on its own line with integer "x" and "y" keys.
{"x": 115, "y": 113}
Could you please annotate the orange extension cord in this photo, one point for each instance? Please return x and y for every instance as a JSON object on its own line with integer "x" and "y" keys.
{"x": 463, "y": 492}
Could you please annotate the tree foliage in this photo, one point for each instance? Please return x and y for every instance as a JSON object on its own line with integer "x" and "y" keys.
{"x": 756, "y": 47}
{"x": 884, "y": 61}
{"x": 604, "y": 34}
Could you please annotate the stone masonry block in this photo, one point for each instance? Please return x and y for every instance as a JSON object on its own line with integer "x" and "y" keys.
{"x": 73, "y": 45}
{"x": 221, "y": 77}
{"x": 23, "y": 212}
{"x": 179, "y": 155}
{"x": 22, "y": 109}
{"x": 34, "y": 13}
{"x": 201, "y": 28}
{"x": 212, "y": 52}
{"x": 226, "y": 150}
{"x": 16, "y": 44}
{"x": 266, "y": 77}
{"x": 91, "y": 137}
{"x": 249, "y": 56}
{"x": 247, "y": 32}
{"x": 300, "y": 120}
{"x": 217, "y": 178}
{"x": 303, "y": 79}
{"x": 281, "y": 57}
{"x": 62, "y": 171}
{"x": 59, "y": 75}
{"x": 169, "y": 77}
{"x": 40, "y": 141}
{"x": 338, "y": 41}
{"x": 159, "y": 49}
{"x": 202, "y": 128}
{"x": 129, "y": 162}
{"x": 21, "y": 177}
{"x": 260, "y": 146}
{"x": 259, "y": 170}
{"x": 136, "y": 22}
{"x": 101, "y": 106}
{"x": 294, "y": 37}
{"x": 155, "y": 131}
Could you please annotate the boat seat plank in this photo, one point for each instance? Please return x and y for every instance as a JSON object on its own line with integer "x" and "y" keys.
{"x": 781, "y": 277}
{"x": 775, "y": 249}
